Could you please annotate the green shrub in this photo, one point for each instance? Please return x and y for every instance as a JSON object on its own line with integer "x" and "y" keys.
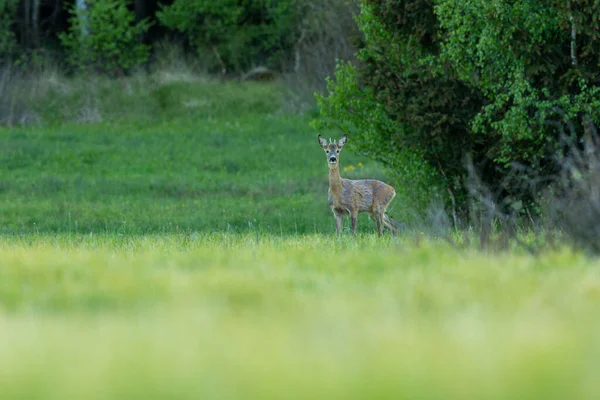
{"x": 234, "y": 35}
{"x": 104, "y": 37}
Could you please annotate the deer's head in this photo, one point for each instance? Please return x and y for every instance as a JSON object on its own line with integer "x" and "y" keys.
{"x": 333, "y": 149}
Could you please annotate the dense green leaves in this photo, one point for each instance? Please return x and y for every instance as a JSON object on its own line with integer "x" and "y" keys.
{"x": 227, "y": 36}
{"x": 234, "y": 35}
{"x": 105, "y": 36}
{"x": 523, "y": 57}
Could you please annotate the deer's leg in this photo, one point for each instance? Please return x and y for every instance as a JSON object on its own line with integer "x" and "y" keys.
{"x": 377, "y": 215}
{"x": 379, "y": 220}
{"x": 390, "y": 225}
{"x": 339, "y": 221}
{"x": 354, "y": 220}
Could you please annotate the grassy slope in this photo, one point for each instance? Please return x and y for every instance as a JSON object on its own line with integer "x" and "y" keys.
{"x": 102, "y": 297}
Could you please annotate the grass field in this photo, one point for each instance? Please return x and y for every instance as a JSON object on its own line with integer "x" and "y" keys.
{"x": 246, "y": 316}
{"x": 215, "y": 157}
{"x": 188, "y": 252}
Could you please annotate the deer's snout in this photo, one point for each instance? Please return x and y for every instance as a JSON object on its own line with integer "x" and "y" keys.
{"x": 332, "y": 159}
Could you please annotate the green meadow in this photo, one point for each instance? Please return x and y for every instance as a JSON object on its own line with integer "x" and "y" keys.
{"x": 179, "y": 245}
{"x": 211, "y": 157}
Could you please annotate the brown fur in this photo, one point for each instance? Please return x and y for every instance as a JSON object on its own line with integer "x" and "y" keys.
{"x": 351, "y": 197}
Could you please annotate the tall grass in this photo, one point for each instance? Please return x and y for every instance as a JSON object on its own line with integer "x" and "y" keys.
{"x": 48, "y": 97}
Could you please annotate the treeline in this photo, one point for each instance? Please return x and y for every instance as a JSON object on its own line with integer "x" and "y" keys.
{"x": 228, "y": 36}
{"x": 493, "y": 101}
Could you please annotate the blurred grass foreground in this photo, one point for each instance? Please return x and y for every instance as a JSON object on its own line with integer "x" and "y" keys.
{"x": 246, "y": 316}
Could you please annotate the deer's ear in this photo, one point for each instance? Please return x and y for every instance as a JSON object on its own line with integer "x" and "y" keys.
{"x": 322, "y": 141}
{"x": 343, "y": 140}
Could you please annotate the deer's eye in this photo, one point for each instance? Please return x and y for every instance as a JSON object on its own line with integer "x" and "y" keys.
{"x": 338, "y": 151}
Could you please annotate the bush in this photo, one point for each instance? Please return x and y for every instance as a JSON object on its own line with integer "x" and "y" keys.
{"x": 234, "y": 35}
{"x": 104, "y": 37}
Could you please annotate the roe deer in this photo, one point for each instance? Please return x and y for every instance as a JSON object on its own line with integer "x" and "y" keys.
{"x": 351, "y": 197}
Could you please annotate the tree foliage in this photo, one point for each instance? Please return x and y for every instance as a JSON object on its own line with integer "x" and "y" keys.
{"x": 235, "y": 34}
{"x": 227, "y": 36}
{"x": 105, "y": 36}
{"x": 524, "y": 58}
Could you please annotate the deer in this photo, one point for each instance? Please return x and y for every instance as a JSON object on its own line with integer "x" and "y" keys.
{"x": 351, "y": 197}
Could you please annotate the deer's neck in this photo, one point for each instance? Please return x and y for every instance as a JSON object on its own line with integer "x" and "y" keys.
{"x": 335, "y": 182}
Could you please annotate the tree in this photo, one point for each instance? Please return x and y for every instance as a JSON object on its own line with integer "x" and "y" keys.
{"x": 235, "y": 34}
{"x": 103, "y": 35}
